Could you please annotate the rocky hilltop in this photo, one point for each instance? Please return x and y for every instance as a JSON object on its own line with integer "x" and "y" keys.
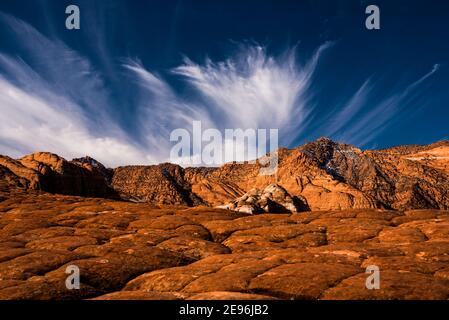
{"x": 154, "y": 232}
{"x": 162, "y": 184}
{"x": 51, "y": 173}
{"x": 324, "y": 175}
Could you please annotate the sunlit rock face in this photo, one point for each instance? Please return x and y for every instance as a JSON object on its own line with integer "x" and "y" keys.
{"x": 321, "y": 175}
{"x": 52, "y": 173}
{"x": 154, "y": 232}
{"x": 271, "y": 199}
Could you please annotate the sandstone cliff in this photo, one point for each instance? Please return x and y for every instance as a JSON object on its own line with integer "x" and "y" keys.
{"x": 51, "y": 173}
{"x": 163, "y": 184}
{"x": 324, "y": 174}
{"x": 333, "y": 176}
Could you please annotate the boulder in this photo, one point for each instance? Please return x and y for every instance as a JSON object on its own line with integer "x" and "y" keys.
{"x": 272, "y": 198}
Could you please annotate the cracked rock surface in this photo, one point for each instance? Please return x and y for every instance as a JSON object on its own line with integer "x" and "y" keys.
{"x": 140, "y": 251}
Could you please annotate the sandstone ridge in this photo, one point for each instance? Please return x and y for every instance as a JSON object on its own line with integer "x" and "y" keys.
{"x": 52, "y": 173}
{"x": 323, "y": 175}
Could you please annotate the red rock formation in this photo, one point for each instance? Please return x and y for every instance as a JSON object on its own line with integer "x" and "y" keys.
{"x": 325, "y": 174}
{"x": 272, "y": 199}
{"x": 138, "y": 251}
{"x": 160, "y": 184}
{"x": 332, "y": 176}
{"x": 51, "y": 173}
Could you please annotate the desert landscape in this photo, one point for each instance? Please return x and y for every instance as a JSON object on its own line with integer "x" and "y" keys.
{"x": 165, "y": 232}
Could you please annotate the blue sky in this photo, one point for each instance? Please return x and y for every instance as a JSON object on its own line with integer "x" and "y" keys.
{"x": 139, "y": 69}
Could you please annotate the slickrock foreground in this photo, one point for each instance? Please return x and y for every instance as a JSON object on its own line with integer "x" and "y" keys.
{"x": 154, "y": 232}
{"x": 140, "y": 251}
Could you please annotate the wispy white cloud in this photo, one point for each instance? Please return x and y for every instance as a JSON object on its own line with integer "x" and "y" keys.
{"x": 57, "y": 103}
{"x": 161, "y": 110}
{"x": 249, "y": 90}
{"x": 53, "y": 99}
{"x": 62, "y": 68}
{"x": 33, "y": 124}
{"x": 343, "y": 117}
{"x": 364, "y": 118}
{"x": 253, "y": 89}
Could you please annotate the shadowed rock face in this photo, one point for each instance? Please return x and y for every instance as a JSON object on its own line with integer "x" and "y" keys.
{"x": 323, "y": 175}
{"x": 159, "y": 184}
{"x": 130, "y": 250}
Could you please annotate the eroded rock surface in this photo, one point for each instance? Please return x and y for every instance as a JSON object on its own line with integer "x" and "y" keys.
{"x": 51, "y": 173}
{"x": 272, "y": 199}
{"x": 323, "y": 174}
{"x": 320, "y": 175}
{"x": 140, "y": 251}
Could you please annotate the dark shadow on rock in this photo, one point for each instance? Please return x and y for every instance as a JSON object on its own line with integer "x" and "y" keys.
{"x": 300, "y": 204}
